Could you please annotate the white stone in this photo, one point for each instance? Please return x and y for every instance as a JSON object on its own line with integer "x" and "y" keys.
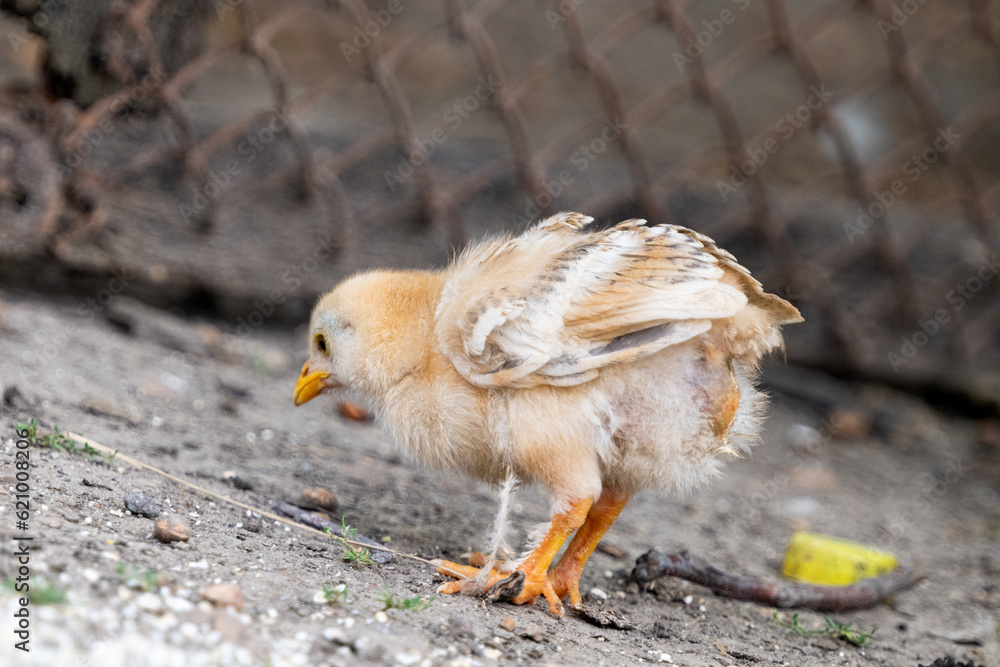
{"x": 598, "y": 593}
{"x": 178, "y": 605}
{"x": 411, "y": 657}
{"x": 149, "y": 602}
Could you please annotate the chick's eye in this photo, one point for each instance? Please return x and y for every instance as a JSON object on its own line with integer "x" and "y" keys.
{"x": 321, "y": 343}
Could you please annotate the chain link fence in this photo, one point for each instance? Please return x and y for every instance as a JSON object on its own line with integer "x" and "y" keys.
{"x": 847, "y": 152}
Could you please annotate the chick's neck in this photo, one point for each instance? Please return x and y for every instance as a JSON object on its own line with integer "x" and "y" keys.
{"x": 403, "y": 338}
{"x": 416, "y": 393}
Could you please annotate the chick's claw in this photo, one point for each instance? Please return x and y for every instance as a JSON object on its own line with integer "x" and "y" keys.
{"x": 518, "y": 586}
{"x": 535, "y": 585}
{"x": 466, "y": 575}
{"x": 507, "y": 589}
{"x": 564, "y": 585}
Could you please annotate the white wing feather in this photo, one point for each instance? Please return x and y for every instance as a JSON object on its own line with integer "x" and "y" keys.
{"x": 558, "y": 303}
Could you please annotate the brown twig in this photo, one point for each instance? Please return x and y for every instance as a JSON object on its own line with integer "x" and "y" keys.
{"x": 310, "y": 519}
{"x": 783, "y": 594}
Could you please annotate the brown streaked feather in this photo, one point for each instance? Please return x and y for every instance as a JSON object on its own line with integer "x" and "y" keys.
{"x": 558, "y": 303}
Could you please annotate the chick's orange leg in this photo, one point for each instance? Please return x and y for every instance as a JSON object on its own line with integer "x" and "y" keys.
{"x": 535, "y": 566}
{"x": 565, "y": 577}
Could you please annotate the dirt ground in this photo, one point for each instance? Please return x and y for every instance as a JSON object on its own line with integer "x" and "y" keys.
{"x": 211, "y": 407}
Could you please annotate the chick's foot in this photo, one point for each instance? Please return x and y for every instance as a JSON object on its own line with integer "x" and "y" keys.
{"x": 519, "y": 586}
{"x": 467, "y": 576}
{"x": 535, "y": 565}
{"x": 565, "y": 575}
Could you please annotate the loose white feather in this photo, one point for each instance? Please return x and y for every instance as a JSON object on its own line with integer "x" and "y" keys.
{"x": 499, "y": 554}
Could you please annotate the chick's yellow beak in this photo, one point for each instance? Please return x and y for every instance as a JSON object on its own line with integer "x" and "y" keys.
{"x": 309, "y": 385}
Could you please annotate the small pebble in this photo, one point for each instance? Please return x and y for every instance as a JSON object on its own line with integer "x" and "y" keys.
{"x": 149, "y": 602}
{"x": 410, "y": 657}
{"x": 222, "y": 595}
{"x": 228, "y": 625}
{"x": 353, "y": 411}
{"x": 171, "y": 530}
{"x": 381, "y": 617}
{"x": 233, "y": 479}
{"x": 805, "y": 440}
{"x": 847, "y": 424}
{"x": 369, "y": 648}
{"x": 318, "y": 498}
{"x": 141, "y": 505}
{"x": 598, "y": 594}
{"x": 335, "y": 635}
{"x": 461, "y": 625}
{"x": 535, "y": 631}
{"x": 178, "y": 605}
{"x": 508, "y": 623}
{"x": 665, "y": 657}
{"x": 189, "y": 630}
{"x": 688, "y": 599}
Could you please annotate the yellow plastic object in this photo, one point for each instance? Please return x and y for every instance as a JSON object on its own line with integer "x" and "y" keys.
{"x": 832, "y": 561}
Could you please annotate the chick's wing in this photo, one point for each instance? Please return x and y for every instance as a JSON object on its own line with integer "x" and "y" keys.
{"x": 558, "y": 303}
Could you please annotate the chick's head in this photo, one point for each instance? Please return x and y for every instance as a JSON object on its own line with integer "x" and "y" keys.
{"x": 368, "y": 333}
{"x": 332, "y": 340}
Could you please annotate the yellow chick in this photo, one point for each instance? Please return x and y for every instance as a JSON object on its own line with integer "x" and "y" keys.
{"x": 595, "y": 362}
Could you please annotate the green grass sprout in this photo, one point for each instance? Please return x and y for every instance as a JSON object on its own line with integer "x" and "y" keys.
{"x": 415, "y": 603}
{"x": 835, "y": 629}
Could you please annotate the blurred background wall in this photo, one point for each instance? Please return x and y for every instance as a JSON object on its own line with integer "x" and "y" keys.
{"x": 238, "y": 157}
